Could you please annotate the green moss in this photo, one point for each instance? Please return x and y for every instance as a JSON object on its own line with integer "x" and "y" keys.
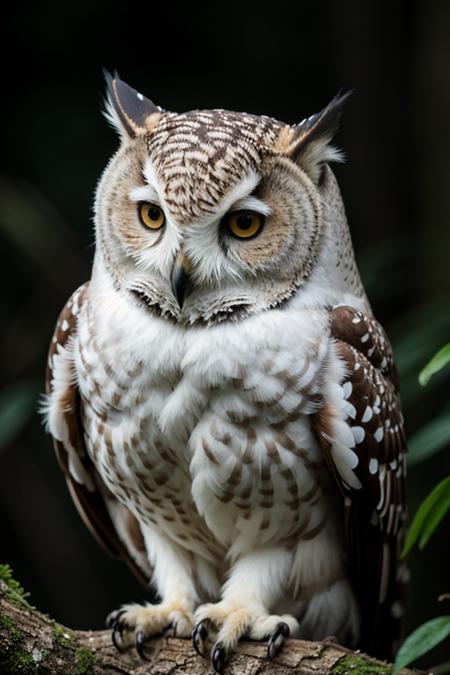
{"x": 16, "y": 660}
{"x": 5, "y": 622}
{"x": 8, "y": 624}
{"x": 59, "y": 635}
{"x": 16, "y": 593}
{"x": 84, "y": 661}
{"x": 21, "y": 662}
{"x": 6, "y": 575}
{"x": 356, "y": 665}
{"x": 44, "y": 654}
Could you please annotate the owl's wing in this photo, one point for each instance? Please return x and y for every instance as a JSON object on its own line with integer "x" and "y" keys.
{"x": 113, "y": 526}
{"x": 373, "y": 492}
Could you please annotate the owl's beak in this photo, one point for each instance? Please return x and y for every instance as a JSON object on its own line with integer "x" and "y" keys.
{"x": 180, "y": 277}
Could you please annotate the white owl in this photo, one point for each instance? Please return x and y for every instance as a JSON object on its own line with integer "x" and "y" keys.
{"x": 223, "y": 403}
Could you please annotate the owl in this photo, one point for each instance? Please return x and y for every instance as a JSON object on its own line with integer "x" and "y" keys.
{"x": 223, "y": 403}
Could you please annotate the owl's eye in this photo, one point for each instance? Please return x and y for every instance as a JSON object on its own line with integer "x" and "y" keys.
{"x": 244, "y": 224}
{"x": 151, "y": 215}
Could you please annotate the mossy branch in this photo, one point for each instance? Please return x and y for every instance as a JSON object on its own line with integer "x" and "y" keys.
{"x": 31, "y": 642}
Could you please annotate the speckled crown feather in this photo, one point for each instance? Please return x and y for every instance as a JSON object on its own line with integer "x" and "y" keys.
{"x": 198, "y": 155}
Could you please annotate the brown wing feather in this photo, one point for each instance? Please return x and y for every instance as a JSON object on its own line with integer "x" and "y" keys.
{"x": 91, "y": 504}
{"x": 375, "y": 514}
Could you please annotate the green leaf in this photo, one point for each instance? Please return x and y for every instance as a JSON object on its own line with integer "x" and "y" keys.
{"x": 430, "y": 439}
{"x": 436, "y": 364}
{"x": 429, "y": 515}
{"x": 421, "y": 641}
{"x": 17, "y": 404}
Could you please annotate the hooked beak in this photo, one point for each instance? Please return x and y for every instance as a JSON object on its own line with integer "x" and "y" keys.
{"x": 180, "y": 277}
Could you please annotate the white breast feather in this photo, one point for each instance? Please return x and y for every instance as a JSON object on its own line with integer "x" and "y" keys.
{"x": 195, "y": 389}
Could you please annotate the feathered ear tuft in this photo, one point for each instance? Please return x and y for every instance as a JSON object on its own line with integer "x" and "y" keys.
{"x": 129, "y": 112}
{"x": 308, "y": 143}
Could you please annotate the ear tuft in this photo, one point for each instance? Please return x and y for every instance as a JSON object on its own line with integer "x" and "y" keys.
{"x": 309, "y": 141}
{"x": 109, "y": 111}
{"x": 317, "y": 153}
{"x": 128, "y": 111}
{"x": 322, "y": 124}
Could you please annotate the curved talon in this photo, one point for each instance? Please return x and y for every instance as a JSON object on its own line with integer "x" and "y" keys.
{"x": 199, "y": 635}
{"x": 276, "y": 640}
{"x": 112, "y": 617}
{"x": 170, "y": 631}
{"x": 140, "y": 640}
{"x": 117, "y": 631}
{"x": 218, "y": 658}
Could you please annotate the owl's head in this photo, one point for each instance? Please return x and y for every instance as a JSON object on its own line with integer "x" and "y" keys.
{"x": 209, "y": 215}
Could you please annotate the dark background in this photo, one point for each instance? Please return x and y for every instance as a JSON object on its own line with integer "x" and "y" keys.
{"x": 284, "y": 59}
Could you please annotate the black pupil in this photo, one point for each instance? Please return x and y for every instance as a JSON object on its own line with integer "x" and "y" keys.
{"x": 244, "y": 221}
{"x": 153, "y": 213}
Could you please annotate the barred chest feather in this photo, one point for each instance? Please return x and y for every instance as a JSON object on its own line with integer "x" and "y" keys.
{"x": 205, "y": 430}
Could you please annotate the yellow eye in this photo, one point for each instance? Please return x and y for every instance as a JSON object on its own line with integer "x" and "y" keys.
{"x": 244, "y": 224}
{"x": 151, "y": 215}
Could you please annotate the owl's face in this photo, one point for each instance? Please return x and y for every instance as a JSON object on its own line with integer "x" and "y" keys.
{"x": 208, "y": 215}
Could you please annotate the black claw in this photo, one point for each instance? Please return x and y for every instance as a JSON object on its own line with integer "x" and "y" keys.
{"x": 170, "y": 631}
{"x": 140, "y": 640}
{"x": 116, "y": 635}
{"x": 276, "y": 640}
{"x": 218, "y": 658}
{"x": 199, "y": 635}
{"x": 113, "y": 616}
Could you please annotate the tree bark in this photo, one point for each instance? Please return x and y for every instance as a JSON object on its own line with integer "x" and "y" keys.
{"x": 31, "y": 642}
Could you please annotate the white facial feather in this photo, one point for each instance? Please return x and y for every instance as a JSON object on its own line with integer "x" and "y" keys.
{"x": 251, "y": 203}
{"x": 151, "y": 177}
{"x": 318, "y": 153}
{"x": 144, "y": 193}
{"x": 242, "y": 190}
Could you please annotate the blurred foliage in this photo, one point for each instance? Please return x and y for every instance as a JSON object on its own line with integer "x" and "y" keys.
{"x": 16, "y": 593}
{"x": 431, "y": 512}
{"x": 17, "y": 405}
{"x": 421, "y": 641}
{"x": 6, "y": 575}
{"x": 431, "y": 438}
{"x": 436, "y": 364}
{"x": 434, "y": 435}
{"x": 285, "y": 60}
{"x": 429, "y": 515}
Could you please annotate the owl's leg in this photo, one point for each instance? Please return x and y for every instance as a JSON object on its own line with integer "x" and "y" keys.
{"x": 256, "y": 583}
{"x": 332, "y": 611}
{"x": 319, "y": 581}
{"x": 174, "y": 581}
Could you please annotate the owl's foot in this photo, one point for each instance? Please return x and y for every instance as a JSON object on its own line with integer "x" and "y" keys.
{"x": 137, "y": 623}
{"x": 228, "y": 623}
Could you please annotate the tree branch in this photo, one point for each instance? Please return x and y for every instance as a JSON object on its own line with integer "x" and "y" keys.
{"x": 31, "y": 642}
